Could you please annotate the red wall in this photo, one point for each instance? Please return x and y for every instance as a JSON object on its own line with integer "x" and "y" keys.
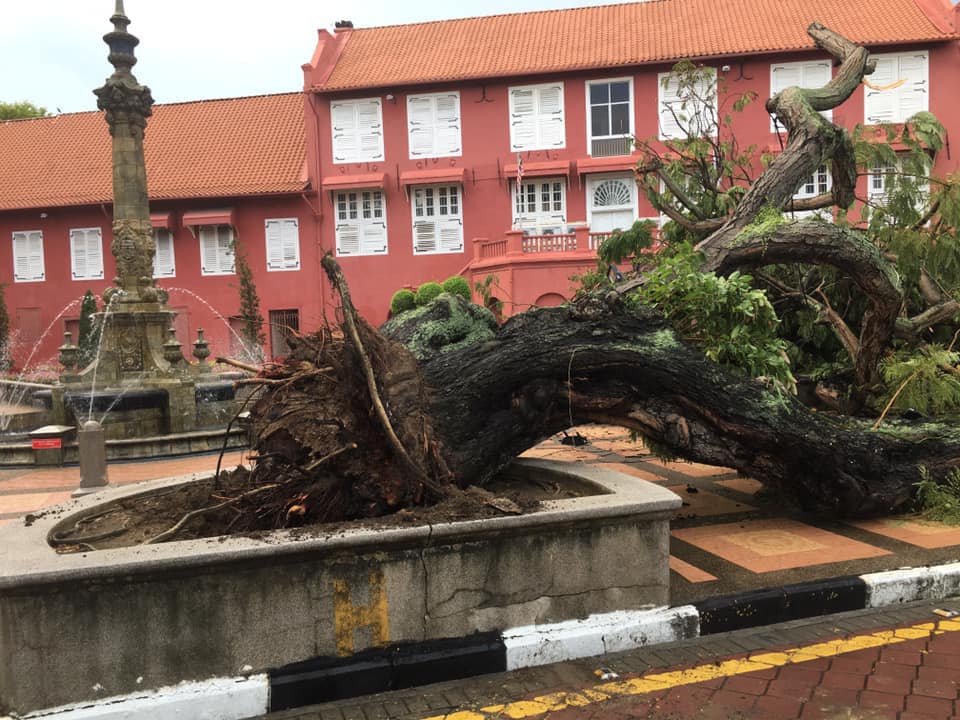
{"x": 40, "y": 303}
{"x": 485, "y": 135}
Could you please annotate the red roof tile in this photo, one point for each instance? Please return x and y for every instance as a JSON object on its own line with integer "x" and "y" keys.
{"x": 617, "y": 36}
{"x": 212, "y": 148}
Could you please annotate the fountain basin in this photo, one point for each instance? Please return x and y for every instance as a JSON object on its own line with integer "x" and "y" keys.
{"x": 80, "y": 628}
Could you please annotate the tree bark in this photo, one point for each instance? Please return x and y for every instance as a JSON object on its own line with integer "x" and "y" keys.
{"x": 595, "y": 361}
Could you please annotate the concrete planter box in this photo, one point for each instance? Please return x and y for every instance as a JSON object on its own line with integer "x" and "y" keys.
{"x": 82, "y": 627}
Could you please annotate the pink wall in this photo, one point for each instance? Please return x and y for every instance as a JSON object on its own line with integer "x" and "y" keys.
{"x": 39, "y": 303}
{"x": 486, "y": 150}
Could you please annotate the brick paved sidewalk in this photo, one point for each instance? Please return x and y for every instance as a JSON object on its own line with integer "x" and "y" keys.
{"x": 902, "y": 664}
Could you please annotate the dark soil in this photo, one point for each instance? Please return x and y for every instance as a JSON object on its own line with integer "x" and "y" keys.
{"x": 140, "y": 519}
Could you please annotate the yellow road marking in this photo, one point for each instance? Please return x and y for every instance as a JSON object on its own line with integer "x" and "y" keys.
{"x": 554, "y": 702}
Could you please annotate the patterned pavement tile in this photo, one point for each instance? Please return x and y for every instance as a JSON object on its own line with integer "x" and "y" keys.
{"x": 634, "y": 471}
{"x": 747, "y": 486}
{"x": 922, "y": 533}
{"x": 689, "y": 572}
{"x": 30, "y": 502}
{"x": 691, "y": 468}
{"x": 776, "y": 544}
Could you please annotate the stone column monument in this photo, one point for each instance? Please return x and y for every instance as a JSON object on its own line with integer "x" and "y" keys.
{"x": 138, "y": 356}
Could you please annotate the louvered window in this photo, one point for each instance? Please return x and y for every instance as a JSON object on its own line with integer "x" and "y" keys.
{"x": 536, "y": 117}
{"x": 807, "y": 75}
{"x": 163, "y": 260}
{"x": 433, "y": 125}
{"x": 613, "y": 203}
{"x": 216, "y": 250}
{"x": 361, "y": 223}
{"x": 357, "y": 127}
{"x": 86, "y": 254}
{"x": 283, "y": 244}
{"x": 437, "y": 219}
{"x": 28, "y": 256}
{"x": 611, "y": 117}
{"x": 688, "y": 110}
{"x": 540, "y": 207}
{"x": 897, "y": 89}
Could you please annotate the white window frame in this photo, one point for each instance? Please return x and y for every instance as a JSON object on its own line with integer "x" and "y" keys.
{"x": 806, "y": 74}
{"x": 877, "y": 181}
{"x": 163, "y": 236}
{"x": 667, "y": 97}
{"x": 360, "y": 220}
{"x": 433, "y": 130}
{"x": 593, "y": 182}
{"x": 539, "y": 215}
{"x": 547, "y": 126}
{"x": 222, "y": 252}
{"x": 909, "y": 97}
{"x": 282, "y": 239}
{"x": 86, "y": 253}
{"x": 357, "y": 136}
{"x": 437, "y": 216}
{"x": 27, "y": 258}
{"x": 820, "y": 182}
{"x": 631, "y": 112}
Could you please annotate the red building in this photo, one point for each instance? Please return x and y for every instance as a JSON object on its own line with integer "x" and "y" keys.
{"x": 223, "y": 175}
{"x": 401, "y": 156}
{"x": 416, "y": 131}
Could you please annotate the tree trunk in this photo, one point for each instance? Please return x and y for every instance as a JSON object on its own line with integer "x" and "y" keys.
{"x": 597, "y": 362}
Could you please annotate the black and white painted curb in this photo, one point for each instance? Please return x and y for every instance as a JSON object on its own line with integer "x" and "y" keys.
{"x": 396, "y": 667}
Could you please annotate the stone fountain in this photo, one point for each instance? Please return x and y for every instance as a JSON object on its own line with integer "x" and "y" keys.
{"x": 139, "y": 384}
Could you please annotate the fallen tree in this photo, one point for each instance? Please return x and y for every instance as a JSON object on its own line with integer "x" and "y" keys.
{"x": 369, "y": 426}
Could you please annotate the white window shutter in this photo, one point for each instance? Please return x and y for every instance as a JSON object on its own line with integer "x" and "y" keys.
{"x": 913, "y": 92}
{"x": 706, "y": 115}
{"x": 208, "y": 250}
{"x": 163, "y": 258}
{"x": 348, "y": 239}
{"x": 370, "y": 130}
{"x": 225, "y": 249}
{"x": 523, "y": 130}
{"x": 451, "y": 235}
{"x": 448, "y": 140}
{"x": 425, "y": 236}
{"x": 78, "y": 254}
{"x": 670, "y": 104}
{"x": 28, "y": 256}
{"x": 291, "y": 243}
{"x": 343, "y": 123}
{"x": 880, "y": 106}
{"x": 550, "y": 123}
{"x": 421, "y": 125}
{"x": 374, "y": 238}
{"x": 785, "y": 75}
{"x": 274, "y": 233}
{"x": 94, "y": 254}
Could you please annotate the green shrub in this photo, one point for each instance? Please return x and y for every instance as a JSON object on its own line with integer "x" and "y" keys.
{"x": 428, "y": 292}
{"x": 458, "y": 285}
{"x": 402, "y": 301}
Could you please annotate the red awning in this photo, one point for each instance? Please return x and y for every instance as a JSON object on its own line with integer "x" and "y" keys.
{"x": 543, "y": 168}
{"x": 161, "y": 220}
{"x": 427, "y": 177}
{"x": 350, "y": 182}
{"x": 218, "y": 216}
{"x": 619, "y": 163}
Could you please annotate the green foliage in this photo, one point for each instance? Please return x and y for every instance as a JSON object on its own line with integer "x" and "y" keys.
{"x": 447, "y": 323}
{"x": 402, "y": 300}
{"x": 458, "y": 285}
{"x": 428, "y": 292}
{"x": 923, "y": 379}
{"x": 20, "y": 110}
{"x": 89, "y": 333}
{"x": 731, "y": 321}
{"x": 622, "y": 244}
{"x": 939, "y": 501}
{"x": 766, "y": 221}
{"x": 252, "y": 332}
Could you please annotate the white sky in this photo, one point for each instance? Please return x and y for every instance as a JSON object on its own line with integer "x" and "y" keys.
{"x": 52, "y": 53}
